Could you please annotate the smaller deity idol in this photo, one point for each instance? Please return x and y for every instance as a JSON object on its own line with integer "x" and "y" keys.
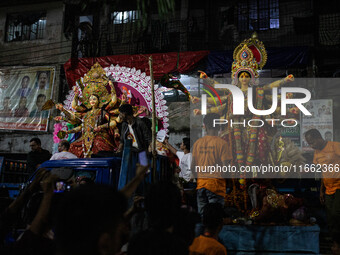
{"x": 251, "y": 145}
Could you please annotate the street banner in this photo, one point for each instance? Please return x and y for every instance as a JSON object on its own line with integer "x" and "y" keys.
{"x": 23, "y": 92}
{"x": 321, "y": 119}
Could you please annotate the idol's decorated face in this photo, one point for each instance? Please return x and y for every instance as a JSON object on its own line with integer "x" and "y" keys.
{"x": 94, "y": 101}
{"x": 244, "y": 78}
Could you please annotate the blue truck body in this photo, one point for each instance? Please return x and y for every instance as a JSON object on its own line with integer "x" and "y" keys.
{"x": 104, "y": 171}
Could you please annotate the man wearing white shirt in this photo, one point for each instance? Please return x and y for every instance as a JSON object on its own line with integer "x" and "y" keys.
{"x": 63, "y": 153}
{"x": 185, "y": 158}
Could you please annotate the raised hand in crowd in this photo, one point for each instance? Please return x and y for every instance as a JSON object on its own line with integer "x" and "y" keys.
{"x": 39, "y": 223}
{"x": 136, "y": 207}
{"x": 130, "y": 188}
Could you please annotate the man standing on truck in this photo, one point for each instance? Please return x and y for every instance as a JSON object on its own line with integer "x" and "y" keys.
{"x": 37, "y": 155}
{"x": 63, "y": 153}
{"x": 327, "y": 155}
{"x": 135, "y": 129}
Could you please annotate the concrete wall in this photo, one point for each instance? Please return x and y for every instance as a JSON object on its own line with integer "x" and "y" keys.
{"x": 53, "y": 50}
{"x": 176, "y": 138}
{"x": 286, "y": 35}
{"x": 219, "y": 31}
{"x": 19, "y": 143}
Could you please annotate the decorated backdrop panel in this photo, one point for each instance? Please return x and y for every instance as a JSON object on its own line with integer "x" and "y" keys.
{"x": 163, "y": 63}
{"x": 138, "y": 85}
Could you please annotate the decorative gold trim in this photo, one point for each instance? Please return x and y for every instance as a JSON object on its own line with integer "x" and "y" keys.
{"x": 95, "y": 81}
{"x": 244, "y": 59}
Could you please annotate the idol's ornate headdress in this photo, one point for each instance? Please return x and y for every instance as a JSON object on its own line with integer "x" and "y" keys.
{"x": 249, "y": 56}
{"x": 95, "y": 81}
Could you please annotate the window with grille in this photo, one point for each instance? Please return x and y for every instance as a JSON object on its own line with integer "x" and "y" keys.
{"x": 124, "y": 17}
{"x": 258, "y": 15}
{"x": 25, "y": 26}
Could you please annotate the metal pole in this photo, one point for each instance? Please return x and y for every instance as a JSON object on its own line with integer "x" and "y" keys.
{"x": 154, "y": 153}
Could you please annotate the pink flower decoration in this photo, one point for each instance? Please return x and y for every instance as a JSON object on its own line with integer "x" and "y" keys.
{"x": 57, "y": 128}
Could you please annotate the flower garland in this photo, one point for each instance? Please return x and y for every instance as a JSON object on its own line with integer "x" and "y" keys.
{"x": 57, "y": 128}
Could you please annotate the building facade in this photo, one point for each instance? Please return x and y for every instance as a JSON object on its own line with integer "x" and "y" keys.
{"x": 47, "y": 33}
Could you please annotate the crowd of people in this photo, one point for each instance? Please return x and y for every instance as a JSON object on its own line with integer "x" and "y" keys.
{"x": 96, "y": 219}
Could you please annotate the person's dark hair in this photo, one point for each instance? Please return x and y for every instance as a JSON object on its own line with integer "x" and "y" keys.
{"x": 7, "y": 98}
{"x": 25, "y": 77}
{"x": 185, "y": 225}
{"x": 41, "y": 72}
{"x": 127, "y": 109}
{"x": 186, "y": 142}
{"x": 65, "y": 143}
{"x": 84, "y": 215}
{"x": 213, "y": 214}
{"x": 313, "y": 133}
{"x": 209, "y": 120}
{"x": 147, "y": 122}
{"x": 36, "y": 140}
{"x": 40, "y": 96}
{"x": 84, "y": 181}
{"x": 162, "y": 203}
